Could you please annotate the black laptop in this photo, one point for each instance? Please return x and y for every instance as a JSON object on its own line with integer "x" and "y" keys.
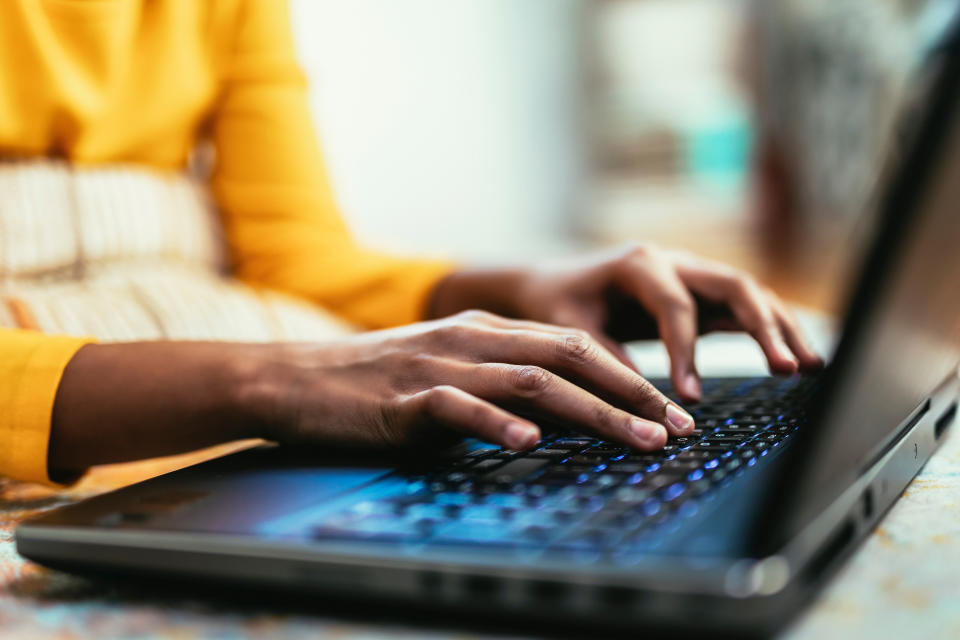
{"x": 731, "y": 529}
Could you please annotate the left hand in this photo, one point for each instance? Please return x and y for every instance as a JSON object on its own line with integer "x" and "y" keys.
{"x": 643, "y": 292}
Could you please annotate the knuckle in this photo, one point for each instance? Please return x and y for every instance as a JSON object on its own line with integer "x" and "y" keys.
{"x": 678, "y": 303}
{"x": 408, "y": 371}
{"x": 478, "y": 414}
{"x": 576, "y": 348}
{"x": 761, "y": 324}
{"x": 531, "y": 380}
{"x": 475, "y": 315}
{"x": 639, "y": 250}
{"x": 721, "y": 269}
{"x": 451, "y": 334}
{"x": 646, "y": 393}
{"x": 419, "y": 363}
{"x": 436, "y": 398}
{"x": 608, "y": 416}
{"x": 744, "y": 285}
{"x": 769, "y": 325}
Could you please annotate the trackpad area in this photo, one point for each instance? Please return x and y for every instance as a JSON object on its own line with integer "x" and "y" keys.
{"x": 238, "y": 494}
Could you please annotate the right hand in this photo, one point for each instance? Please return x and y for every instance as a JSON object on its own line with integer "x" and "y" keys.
{"x": 474, "y": 373}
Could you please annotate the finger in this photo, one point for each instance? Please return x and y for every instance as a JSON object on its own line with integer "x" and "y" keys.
{"x": 452, "y": 407}
{"x": 795, "y": 337}
{"x": 578, "y": 356}
{"x": 656, "y": 285}
{"x": 616, "y": 350}
{"x": 572, "y": 323}
{"x": 543, "y": 392}
{"x": 749, "y": 305}
{"x": 579, "y": 321}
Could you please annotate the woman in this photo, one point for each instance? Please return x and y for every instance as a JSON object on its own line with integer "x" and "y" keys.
{"x": 107, "y": 113}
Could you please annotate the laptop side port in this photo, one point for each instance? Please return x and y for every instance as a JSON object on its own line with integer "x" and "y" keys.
{"x": 944, "y": 421}
{"x": 867, "y": 503}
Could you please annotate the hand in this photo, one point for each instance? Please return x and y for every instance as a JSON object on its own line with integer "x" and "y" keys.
{"x": 473, "y": 374}
{"x": 644, "y": 292}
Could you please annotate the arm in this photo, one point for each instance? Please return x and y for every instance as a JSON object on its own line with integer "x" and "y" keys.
{"x": 121, "y": 402}
{"x": 283, "y": 227}
{"x": 472, "y": 374}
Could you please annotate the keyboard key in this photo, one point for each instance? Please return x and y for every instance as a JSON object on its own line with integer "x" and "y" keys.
{"x": 571, "y": 443}
{"x": 684, "y": 466}
{"x": 712, "y": 446}
{"x": 696, "y": 454}
{"x": 453, "y": 498}
{"x": 727, "y": 441}
{"x": 515, "y": 471}
{"x": 629, "y": 468}
{"x": 588, "y": 459}
{"x": 631, "y": 495}
{"x": 476, "y": 533}
{"x": 574, "y": 469}
{"x": 480, "y": 453}
{"x": 673, "y": 491}
{"x": 643, "y": 458}
{"x": 560, "y": 479}
{"x": 549, "y": 453}
{"x": 657, "y": 481}
{"x": 734, "y": 435}
{"x": 485, "y": 465}
{"x": 731, "y": 465}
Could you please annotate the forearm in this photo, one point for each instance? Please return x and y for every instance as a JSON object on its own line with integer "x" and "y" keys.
{"x": 137, "y": 400}
{"x": 493, "y": 290}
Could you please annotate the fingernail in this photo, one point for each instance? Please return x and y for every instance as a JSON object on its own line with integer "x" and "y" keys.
{"x": 520, "y": 436}
{"x": 692, "y": 385}
{"x": 680, "y": 419}
{"x": 648, "y": 431}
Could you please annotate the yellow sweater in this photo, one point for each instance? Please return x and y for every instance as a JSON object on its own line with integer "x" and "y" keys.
{"x": 142, "y": 81}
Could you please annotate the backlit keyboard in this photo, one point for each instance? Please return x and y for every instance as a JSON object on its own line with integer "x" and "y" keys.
{"x": 577, "y": 492}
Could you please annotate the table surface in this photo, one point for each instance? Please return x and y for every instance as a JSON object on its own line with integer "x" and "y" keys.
{"x": 902, "y": 583}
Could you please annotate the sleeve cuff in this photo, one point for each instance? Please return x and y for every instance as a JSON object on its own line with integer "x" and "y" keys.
{"x": 30, "y": 373}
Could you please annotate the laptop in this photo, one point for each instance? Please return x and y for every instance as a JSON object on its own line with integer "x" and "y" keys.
{"x": 732, "y": 529}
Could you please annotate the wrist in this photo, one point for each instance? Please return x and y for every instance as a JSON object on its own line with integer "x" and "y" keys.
{"x": 254, "y": 391}
{"x": 498, "y": 291}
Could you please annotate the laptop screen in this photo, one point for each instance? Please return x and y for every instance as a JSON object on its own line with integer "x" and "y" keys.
{"x": 901, "y": 337}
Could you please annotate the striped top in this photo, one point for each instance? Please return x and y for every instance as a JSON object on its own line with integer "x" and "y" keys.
{"x": 110, "y": 229}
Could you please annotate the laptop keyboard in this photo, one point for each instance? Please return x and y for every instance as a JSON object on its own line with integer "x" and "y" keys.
{"x": 577, "y": 492}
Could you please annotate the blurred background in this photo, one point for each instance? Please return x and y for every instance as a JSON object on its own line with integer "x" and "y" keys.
{"x": 498, "y": 130}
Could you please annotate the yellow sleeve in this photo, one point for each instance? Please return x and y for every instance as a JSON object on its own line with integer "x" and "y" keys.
{"x": 31, "y": 365}
{"x": 283, "y": 227}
